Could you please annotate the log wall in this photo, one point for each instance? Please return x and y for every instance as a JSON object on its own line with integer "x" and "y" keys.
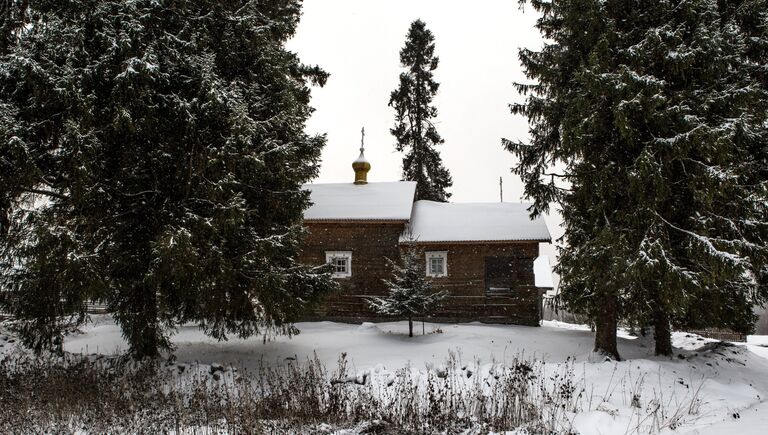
{"x": 372, "y": 242}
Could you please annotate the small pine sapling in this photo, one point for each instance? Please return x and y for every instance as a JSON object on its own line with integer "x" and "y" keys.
{"x": 410, "y": 292}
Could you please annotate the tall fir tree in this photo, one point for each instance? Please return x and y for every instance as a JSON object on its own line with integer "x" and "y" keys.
{"x": 694, "y": 113}
{"x": 410, "y": 292}
{"x": 658, "y": 117}
{"x": 414, "y": 114}
{"x": 158, "y": 152}
{"x": 552, "y": 106}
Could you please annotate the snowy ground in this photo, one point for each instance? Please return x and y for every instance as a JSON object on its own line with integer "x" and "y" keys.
{"x": 706, "y": 389}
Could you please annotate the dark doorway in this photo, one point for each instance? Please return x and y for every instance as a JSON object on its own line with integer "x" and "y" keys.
{"x": 499, "y": 276}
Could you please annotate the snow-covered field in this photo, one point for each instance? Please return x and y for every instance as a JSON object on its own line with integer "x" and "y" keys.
{"x": 707, "y": 388}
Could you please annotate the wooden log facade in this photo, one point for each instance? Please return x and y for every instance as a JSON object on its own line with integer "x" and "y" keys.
{"x": 490, "y": 282}
{"x": 370, "y": 244}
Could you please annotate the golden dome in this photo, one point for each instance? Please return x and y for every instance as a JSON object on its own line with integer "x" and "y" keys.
{"x": 361, "y": 165}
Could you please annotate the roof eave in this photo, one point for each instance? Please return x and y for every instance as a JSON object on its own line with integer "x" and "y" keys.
{"x": 435, "y": 242}
{"x": 358, "y": 220}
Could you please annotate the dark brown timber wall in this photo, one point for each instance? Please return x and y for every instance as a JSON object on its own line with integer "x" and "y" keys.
{"x": 472, "y": 269}
{"x": 370, "y": 243}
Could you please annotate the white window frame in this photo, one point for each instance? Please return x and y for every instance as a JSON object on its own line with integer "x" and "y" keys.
{"x": 331, "y": 255}
{"x": 437, "y": 254}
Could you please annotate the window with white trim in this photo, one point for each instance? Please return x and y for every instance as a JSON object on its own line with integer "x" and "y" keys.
{"x": 341, "y": 263}
{"x": 437, "y": 263}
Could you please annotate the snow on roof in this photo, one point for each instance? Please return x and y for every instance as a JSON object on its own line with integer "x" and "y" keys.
{"x": 458, "y": 222}
{"x": 543, "y": 272}
{"x": 391, "y": 201}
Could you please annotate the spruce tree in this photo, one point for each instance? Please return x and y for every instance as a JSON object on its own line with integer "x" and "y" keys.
{"x": 158, "y": 152}
{"x": 552, "y": 107}
{"x": 414, "y": 114}
{"x": 410, "y": 292}
{"x": 695, "y": 115}
{"x": 657, "y": 112}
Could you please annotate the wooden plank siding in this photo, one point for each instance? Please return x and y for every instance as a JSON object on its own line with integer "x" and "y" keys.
{"x": 372, "y": 242}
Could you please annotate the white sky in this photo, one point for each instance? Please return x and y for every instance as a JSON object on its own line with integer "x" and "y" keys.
{"x": 358, "y": 42}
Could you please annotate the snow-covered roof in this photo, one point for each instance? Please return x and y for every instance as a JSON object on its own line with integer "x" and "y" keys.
{"x": 542, "y": 271}
{"x": 390, "y": 201}
{"x": 459, "y": 222}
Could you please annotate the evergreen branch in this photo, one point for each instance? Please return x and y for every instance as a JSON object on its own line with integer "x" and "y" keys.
{"x": 707, "y": 241}
{"x": 143, "y": 192}
{"x": 45, "y": 193}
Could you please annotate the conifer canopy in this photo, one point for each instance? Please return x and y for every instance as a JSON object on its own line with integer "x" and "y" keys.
{"x": 151, "y": 158}
{"x": 649, "y": 129}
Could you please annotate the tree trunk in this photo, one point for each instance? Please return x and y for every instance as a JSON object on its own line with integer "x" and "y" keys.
{"x": 605, "y": 326}
{"x": 147, "y": 345}
{"x": 410, "y": 327}
{"x": 662, "y": 333}
{"x": 144, "y": 337}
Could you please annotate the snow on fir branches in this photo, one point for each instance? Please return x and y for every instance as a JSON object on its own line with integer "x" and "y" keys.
{"x": 657, "y": 113}
{"x": 168, "y": 140}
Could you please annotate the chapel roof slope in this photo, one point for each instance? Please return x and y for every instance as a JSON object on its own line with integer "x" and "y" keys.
{"x": 388, "y": 201}
{"x": 473, "y": 222}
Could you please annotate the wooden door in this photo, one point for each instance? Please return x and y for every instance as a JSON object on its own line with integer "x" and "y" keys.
{"x": 499, "y": 276}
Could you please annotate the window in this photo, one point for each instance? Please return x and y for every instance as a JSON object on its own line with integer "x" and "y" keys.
{"x": 341, "y": 261}
{"x": 437, "y": 263}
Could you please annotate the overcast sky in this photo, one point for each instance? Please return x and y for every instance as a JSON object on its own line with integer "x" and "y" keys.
{"x": 358, "y": 43}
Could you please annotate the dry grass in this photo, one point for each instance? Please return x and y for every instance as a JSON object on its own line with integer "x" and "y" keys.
{"x": 119, "y": 395}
